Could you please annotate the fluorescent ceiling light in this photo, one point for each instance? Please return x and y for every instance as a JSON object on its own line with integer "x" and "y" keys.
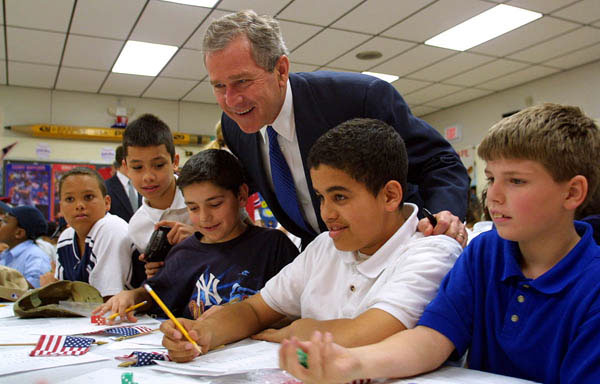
{"x": 483, "y": 27}
{"x": 383, "y": 76}
{"x": 197, "y": 3}
{"x": 147, "y": 59}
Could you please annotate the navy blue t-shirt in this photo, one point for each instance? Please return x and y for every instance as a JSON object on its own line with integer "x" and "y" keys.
{"x": 198, "y": 275}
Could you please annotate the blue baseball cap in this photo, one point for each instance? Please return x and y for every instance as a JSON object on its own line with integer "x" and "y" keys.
{"x": 29, "y": 218}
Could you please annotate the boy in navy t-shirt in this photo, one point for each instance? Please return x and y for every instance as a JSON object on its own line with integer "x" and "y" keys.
{"x": 226, "y": 260}
{"x": 523, "y": 298}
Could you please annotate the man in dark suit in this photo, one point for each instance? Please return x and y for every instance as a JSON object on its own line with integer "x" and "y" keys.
{"x": 119, "y": 188}
{"x": 270, "y": 114}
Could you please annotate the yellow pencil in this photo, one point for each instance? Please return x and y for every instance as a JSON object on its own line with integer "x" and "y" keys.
{"x": 166, "y": 310}
{"x": 132, "y": 308}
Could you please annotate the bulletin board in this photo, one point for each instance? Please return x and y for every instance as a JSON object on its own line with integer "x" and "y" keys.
{"x": 36, "y": 183}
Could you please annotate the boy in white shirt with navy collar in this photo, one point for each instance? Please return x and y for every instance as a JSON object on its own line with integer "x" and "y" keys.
{"x": 370, "y": 276}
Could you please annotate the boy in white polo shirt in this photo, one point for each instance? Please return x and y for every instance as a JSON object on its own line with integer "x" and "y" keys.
{"x": 150, "y": 162}
{"x": 370, "y": 276}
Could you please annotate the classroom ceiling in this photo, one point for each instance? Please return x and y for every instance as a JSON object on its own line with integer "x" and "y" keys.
{"x": 73, "y": 44}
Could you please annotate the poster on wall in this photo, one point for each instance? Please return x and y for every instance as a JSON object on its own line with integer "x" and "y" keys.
{"x": 28, "y": 184}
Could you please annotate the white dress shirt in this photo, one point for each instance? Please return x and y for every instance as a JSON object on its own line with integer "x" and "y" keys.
{"x": 285, "y": 126}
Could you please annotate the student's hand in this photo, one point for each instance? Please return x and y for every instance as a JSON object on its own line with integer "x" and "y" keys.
{"x": 3, "y": 247}
{"x": 447, "y": 224}
{"x": 48, "y": 277}
{"x": 178, "y": 232}
{"x": 327, "y": 361}
{"x": 180, "y": 349}
{"x": 274, "y": 335}
{"x": 118, "y": 304}
{"x": 152, "y": 267}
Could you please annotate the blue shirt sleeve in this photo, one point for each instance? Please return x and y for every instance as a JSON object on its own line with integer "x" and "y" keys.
{"x": 37, "y": 263}
{"x": 451, "y": 311}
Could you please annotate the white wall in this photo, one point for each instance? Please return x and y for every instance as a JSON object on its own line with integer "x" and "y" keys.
{"x": 22, "y": 106}
{"x": 579, "y": 86}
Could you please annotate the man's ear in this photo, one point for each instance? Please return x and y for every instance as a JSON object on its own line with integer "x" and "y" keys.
{"x": 176, "y": 162}
{"x": 282, "y": 69}
{"x": 392, "y": 194}
{"x": 577, "y": 189}
{"x": 20, "y": 234}
{"x": 107, "y": 202}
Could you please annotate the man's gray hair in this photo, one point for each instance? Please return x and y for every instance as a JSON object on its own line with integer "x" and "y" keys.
{"x": 262, "y": 31}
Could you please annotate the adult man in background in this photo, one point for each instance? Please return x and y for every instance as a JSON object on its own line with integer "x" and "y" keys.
{"x": 271, "y": 119}
{"x": 124, "y": 199}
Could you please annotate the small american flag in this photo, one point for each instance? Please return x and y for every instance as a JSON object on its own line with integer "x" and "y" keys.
{"x": 123, "y": 331}
{"x": 59, "y": 345}
{"x": 141, "y": 359}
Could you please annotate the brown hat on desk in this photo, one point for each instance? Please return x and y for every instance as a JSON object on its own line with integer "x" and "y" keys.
{"x": 43, "y": 302}
{"x": 12, "y": 284}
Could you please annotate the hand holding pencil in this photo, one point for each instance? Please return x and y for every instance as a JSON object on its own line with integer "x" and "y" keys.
{"x": 124, "y": 305}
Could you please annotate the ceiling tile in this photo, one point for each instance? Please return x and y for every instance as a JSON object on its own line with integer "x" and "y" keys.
{"x": 405, "y": 85}
{"x": 91, "y": 52}
{"x": 413, "y": 60}
{"x": 432, "y": 92}
{"x": 123, "y": 84}
{"x": 486, "y": 72}
{"x": 388, "y": 47}
{"x": 520, "y": 77}
{"x": 195, "y": 42}
{"x": 576, "y": 58}
{"x": 437, "y": 18}
{"x": 262, "y": 7}
{"x": 167, "y": 88}
{"x": 543, "y": 6}
{"x": 525, "y": 36}
{"x": 84, "y": 80}
{"x": 459, "y": 97}
{"x": 39, "y": 14}
{"x": 326, "y": 46}
{"x": 168, "y": 23}
{"x": 317, "y": 11}
{"x": 202, "y": 93}
{"x": 106, "y": 18}
{"x": 568, "y": 42}
{"x": 423, "y": 110}
{"x": 295, "y": 34}
{"x": 31, "y": 75}
{"x": 451, "y": 66}
{"x": 375, "y": 16}
{"x": 2, "y": 72}
{"x": 186, "y": 64}
{"x": 299, "y": 67}
{"x": 2, "y": 50}
{"x": 34, "y": 46}
{"x": 584, "y": 11}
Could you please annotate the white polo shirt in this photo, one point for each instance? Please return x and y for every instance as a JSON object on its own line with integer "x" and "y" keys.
{"x": 141, "y": 224}
{"x": 401, "y": 278}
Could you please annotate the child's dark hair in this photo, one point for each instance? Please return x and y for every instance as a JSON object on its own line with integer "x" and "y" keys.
{"x": 147, "y": 131}
{"x": 85, "y": 171}
{"x": 215, "y": 165}
{"x": 368, "y": 150}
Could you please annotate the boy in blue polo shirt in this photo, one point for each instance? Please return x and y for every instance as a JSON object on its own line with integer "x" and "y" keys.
{"x": 523, "y": 298}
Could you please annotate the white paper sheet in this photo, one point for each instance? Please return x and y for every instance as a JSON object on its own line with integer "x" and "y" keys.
{"x": 113, "y": 375}
{"x": 259, "y": 355}
{"x": 81, "y": 325}
{"x": 17, "y": 359}
{"x": 6, "y": 310}
{"x": 447, "y": 375}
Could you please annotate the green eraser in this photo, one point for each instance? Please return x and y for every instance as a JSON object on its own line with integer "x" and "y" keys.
{"x": 302, "y": 357}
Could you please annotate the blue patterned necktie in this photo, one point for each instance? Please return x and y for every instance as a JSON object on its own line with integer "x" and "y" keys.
{"x": 283, "y": 181}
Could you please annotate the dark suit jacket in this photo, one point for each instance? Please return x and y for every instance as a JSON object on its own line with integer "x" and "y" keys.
{"x": 436, "y": 176}
{"x": 119, "y": 200}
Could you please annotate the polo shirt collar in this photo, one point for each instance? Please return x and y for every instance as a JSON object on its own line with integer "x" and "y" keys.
{"x": 284, "y": 123}
{"x": 383, "y": 258}
{"x": 564, "y": 272}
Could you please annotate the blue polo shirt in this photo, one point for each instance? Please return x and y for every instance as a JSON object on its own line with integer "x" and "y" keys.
{"x": 546, "y": 329}
{"x": 29, "y": 259}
